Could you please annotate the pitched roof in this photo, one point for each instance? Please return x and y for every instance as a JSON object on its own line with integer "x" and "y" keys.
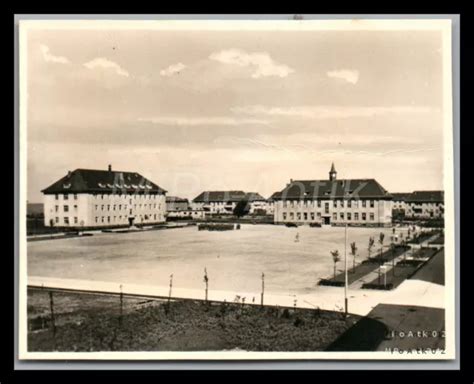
{"x": 426, "y": 197}
{"x": 219, "y": 196}
{"x": 176, "y": 199}
{"x": 400, "y": 196}
{"x": 103, "y": 181}
{"x": 254, "y": 196}
{"x": 332, "y": 189}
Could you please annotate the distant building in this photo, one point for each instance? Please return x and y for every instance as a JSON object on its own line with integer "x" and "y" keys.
{"x": 174, "y": 203}
{"x": 224, "y": 202}
{"x": 103, "y": 198}
{"x": 334, "y": 202}
{"x": 419, "y": 204}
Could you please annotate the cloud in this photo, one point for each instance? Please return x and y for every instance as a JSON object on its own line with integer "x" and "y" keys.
{"x": 206, "y": 121}
{"x": 172, "y": 69}
{"x": 261, "y": 62}
{"x": 328, "y": 112}
{"x": 101, "y": 62}
{"x": 351, "y": 76}
{"x": 47, "y": 56}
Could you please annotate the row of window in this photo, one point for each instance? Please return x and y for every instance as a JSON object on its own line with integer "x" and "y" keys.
{"x": 335, "y": 203}
{"x": 65, "y": 208}
{"x": 119, "y": 207}
{"x": 66, "y": 220}
{"x": 66, "y": 196}
{"x": 113, "y": 219}
{"x": 342, "y": 216}
{"x": 144, "y": 196}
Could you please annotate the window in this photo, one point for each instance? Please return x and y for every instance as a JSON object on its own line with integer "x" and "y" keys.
{"x": 372, "y": 217}
{"x": 356, "y": 204}
{"x": 364, "y": 203}
{"x": 284, "y": 215}
{"x": 349, "y": 216}
{"x": 96, "y": 219}
{"x": 66, "y": 220}
{"x": 56, "y": 220}
{"x": 102, "y": 218}
{"x": 130, "y": 212}
{"x": 364, "y": 216}
{"x": 66, "y": 196}
{"x": 319, "y": 203}
{"x": 108, "y": 207}
{"x": 75, "y": 220}
{"x": 326, "y": 207}
{"x": 312, "y": 215}
{"x": 298, "y": 216}
{"x": 108, "y": 219}
{"x": 372, "y": 203}
{"x": 341, "y": 215}
{"x": 75, "y": 206}
{"x": 341, "y": 203}
{"x": 56, "y": 208}
{"x": 334, "y": 216}
{"x": 120, "y": 207}
{"x": 356, "y": 216}
{"x": 319, "y": 215}
{"x": 335, "y": 203}
{"x": 305, "y": 216}
{"x": 96, "y": 207}
{"x": 102, "y": 207}
{"x": 349, "y": 203}
{"x": 292, "y": 215}
{"x": 113, "y": 207}
{"x": 66, "y": 208}
{"x": 56, "y": 196}
{"x": 75, "y": 196}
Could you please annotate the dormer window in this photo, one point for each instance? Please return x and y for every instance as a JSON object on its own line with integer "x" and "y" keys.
{"x": 101, "y": 185}
{"x": 67, "y": 186}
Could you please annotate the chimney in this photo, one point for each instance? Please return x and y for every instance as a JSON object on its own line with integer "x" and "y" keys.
{"x": 110, "y": 168}
{"x": 69, "y": 173}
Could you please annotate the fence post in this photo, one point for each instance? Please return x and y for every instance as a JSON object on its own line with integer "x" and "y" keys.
{"x": 53, "y": 320}
{"x": 169, "y": 295}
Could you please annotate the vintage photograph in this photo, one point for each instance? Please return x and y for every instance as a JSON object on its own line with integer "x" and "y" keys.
{"x": 223, "y": 189}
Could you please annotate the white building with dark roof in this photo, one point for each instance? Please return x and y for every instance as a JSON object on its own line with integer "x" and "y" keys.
{"x": 334, "y": 202}
{"x": 424, "y": 205}
{"x": 224, "y": 202}
{"x": 89, "y": 198}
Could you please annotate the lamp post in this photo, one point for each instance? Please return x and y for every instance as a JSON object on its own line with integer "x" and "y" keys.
{"x": 346, "y": 304}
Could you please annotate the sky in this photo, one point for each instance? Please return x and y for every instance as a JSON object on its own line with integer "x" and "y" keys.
{"x": 235, "y": 110}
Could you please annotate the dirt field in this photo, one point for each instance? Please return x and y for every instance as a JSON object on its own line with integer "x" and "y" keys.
{"x": 87, "y": 322}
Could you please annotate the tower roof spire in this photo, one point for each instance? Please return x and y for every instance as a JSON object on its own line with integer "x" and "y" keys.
{"x": 333, "y": 169}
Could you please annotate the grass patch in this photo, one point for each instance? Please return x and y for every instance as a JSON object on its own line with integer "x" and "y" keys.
{"x": 92, "y": 323}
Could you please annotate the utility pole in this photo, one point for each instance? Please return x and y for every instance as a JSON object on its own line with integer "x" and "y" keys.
{"x": 346, "y": 304}
{"x": 263, "y": 288}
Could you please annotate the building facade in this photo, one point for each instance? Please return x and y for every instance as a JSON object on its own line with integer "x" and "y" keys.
{"x": 87, "y": 198}
{"x": 334, "y": 202}
{"x": 224, "y": 202}
{"x": 174, "y": 203}
{"x": 419, "y": 205}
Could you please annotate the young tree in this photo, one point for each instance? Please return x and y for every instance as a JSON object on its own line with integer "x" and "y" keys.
{"x": 206, "y": 281}
{"x": 371, "y": 245}
{"x": 242, "y": 208}
{"x": 335, "y": 258}
{"x": 353, "y": 253}
{"x": 381, "y": 239}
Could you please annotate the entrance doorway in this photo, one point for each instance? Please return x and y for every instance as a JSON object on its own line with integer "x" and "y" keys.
{"x": 326, "y": 220}
{"x": 130, "y": 221}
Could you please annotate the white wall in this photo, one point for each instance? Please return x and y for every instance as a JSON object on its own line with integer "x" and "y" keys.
{"x": 104, "y": 209}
